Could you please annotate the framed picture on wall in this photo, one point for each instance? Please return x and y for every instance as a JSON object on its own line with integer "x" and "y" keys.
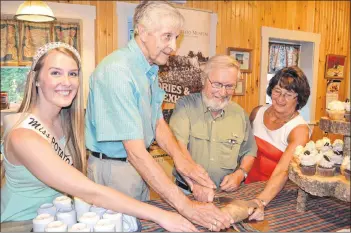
{"x": 243, "y": 56}
{"x": 240, "y": 87}
{"x": 335, "y": 66}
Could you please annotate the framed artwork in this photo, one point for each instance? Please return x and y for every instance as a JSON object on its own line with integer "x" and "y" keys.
{"x": 335, "y": 66}
{"x": 243, "y": 56}
{"x": 240, "y": 87}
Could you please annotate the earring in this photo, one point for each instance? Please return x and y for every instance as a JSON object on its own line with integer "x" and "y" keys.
{"x": 37, "y": 84}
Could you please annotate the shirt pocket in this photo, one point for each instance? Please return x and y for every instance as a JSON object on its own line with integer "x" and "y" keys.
{"x": 199, "y": 131}
{"x": 199, "y": 135}
{"x": 229, "y": 150}
{"x": 199, "y": 141}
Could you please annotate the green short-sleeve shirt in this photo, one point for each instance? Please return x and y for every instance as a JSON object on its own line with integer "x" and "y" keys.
{"x": 216, "y": 144}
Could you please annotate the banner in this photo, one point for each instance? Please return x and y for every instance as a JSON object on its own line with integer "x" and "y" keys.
{"x": 181, "y": 75}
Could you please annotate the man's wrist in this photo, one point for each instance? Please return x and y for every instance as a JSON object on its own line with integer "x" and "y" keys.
{"x": 243, "y": 171}
{"x": 178, "y": 163}
{"x": 183, "y": 205}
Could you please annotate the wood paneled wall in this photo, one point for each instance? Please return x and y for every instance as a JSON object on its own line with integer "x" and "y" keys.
{"x": 239, "y": 25}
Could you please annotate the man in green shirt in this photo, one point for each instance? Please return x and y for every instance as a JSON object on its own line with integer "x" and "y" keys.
{"x": 215, "y": 130}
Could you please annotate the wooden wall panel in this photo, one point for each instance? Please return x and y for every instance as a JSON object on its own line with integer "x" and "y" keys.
{"x": 239, "y": 25}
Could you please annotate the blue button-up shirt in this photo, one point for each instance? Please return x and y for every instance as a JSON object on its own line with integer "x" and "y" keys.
{"x": 124, "y": 102}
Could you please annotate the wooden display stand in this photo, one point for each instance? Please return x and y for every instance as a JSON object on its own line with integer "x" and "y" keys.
{"x": 337, "y": 127}
{"x": 336, "y": 186}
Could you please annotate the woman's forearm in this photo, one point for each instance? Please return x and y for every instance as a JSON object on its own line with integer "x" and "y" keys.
{"x": 273, "y": 186}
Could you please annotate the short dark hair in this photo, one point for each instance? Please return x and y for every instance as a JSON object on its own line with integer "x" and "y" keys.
{"x": 292, "y": 79}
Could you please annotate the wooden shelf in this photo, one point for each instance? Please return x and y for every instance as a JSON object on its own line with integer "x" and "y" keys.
{"x": 336, "y": 127}
{"x": 336, "y": 186}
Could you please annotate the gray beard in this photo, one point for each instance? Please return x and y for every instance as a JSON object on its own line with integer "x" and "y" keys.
{"x": 214, "y": 106}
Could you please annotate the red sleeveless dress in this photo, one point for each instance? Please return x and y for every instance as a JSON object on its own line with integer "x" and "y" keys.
{"x": 270, "y": 146}
{"x": 267, "y": 158}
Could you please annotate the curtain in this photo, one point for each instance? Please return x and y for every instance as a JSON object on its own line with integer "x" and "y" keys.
{"x": 33, "y": 36}
{"x": 9, "y": 41}
{"x": 20, "y": 40}
{"x": 282, "y": 55}
{"x": 68, "y": 33}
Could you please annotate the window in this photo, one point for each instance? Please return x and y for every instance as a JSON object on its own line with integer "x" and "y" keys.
{"x": 282, "y": 55}
{"x": 19, "y": 42}
{"x": 13, "y": 81}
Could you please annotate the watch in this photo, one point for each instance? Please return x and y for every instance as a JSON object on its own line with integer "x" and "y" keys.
{"x": 243, "y": 170}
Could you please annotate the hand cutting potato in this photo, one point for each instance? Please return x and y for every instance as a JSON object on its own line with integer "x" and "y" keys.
{"x": 239, "y": 209}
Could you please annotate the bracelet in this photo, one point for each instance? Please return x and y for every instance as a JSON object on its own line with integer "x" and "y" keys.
{"x": 263, "y": 202}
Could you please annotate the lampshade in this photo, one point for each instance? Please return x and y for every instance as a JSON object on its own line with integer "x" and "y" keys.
{"x": 34, "y": 11}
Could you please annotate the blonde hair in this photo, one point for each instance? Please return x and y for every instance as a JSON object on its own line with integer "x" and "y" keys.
{"x": 219, "y": 62}
{"x": 72, "y": 117}
{"x": 152, "y": 14}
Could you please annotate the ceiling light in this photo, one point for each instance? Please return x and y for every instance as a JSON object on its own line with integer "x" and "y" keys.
{"x": 34, "y": 11}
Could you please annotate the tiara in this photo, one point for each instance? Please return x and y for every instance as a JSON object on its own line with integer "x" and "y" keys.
{"x": 53, "y": 45}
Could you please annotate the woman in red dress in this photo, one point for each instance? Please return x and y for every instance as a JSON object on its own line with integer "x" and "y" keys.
{"x": 278, "y": 129}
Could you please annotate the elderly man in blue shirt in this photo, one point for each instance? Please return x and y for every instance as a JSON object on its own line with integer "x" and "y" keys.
{"x": 124, "y": 117}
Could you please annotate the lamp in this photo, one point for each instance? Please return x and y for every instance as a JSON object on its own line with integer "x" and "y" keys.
{"x": 34, "y": 11}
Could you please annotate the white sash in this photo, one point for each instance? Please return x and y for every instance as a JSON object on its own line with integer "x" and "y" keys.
{"x": 31, "y": 122}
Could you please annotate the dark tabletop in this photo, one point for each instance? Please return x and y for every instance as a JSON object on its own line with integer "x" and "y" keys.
{"x": 323, "y": 213}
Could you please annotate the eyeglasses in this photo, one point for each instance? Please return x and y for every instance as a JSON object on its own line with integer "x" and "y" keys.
{"x": 288, "y": 96}
{"x": 218, "y": 85}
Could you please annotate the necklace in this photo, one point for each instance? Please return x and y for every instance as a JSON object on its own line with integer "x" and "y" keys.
{"x": 292, "y": 115}
{"x": 277, "y": 120}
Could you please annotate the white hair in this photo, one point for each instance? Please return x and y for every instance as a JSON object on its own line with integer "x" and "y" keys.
{"x": 151, "y": 14}
{"x": 219, "y": 62}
